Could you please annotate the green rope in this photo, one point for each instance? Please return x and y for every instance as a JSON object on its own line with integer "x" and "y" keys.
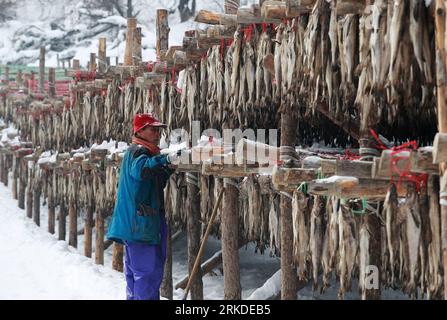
{"x": 303, "y": 187}
{"x": 363, "y": 211}
{"x": 320, "y": 174}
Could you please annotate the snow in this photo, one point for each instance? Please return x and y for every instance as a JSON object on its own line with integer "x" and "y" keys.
{"x": 312, "y": 162}
{"x": 335, "y": 179}
{"x": 270, "y": 288}
{"x": 71, "y": 28}
{"x": 37, "y": 266}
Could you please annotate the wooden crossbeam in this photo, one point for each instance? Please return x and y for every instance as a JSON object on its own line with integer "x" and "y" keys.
{"x": 350, "y": 187}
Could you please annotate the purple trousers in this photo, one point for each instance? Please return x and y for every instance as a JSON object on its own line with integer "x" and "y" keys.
{"x": 143, "y": 267}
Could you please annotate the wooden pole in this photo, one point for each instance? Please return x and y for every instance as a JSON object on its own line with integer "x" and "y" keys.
{"x": 117, "y": 257}
{"x": 99, "y": 251}
{"x": 61, "y": 222}
{"x": 29, "y": 195}
{"x": 131, "y": 26}
{"x": 202, "y": 244}
{"x": 231, "y": 6}
{"x": 136, "y": 47}
{"x": 92, "y": 65}
{"x": 441, "y": 81}
{"x": 52, "y": 82}
{"x": 22, "y": 183}
{"x": 51, "y": 209}
{"x": 88, "y": 231}
{"x": 6, "y": 75}
{"x": 76, "y": 65}
{"x": 166, "y": 288}
{"x": 194, "y": 228}
{"x": 102, "y": 63}
{"x": 288, "y": 271}
{"x": 19, "y": 79}
{"x": 162, "y": 32}
{"x": 42, "y": 70}
{"x": 73, "y": 223}
{"x": 37, "y": 189}
{"x": 230, "y": 241}
{"x": 15, "y": 170}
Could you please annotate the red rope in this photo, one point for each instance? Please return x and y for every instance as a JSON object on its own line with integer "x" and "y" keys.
{"x": 420, "y": 180}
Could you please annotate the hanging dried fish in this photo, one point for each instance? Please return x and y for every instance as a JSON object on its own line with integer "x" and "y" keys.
{"x": 300, "y": 220}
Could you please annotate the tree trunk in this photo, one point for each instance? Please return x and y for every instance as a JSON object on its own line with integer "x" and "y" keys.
{"x": 129, "y": 9}
{"x": 193, "y": 227}
{"x": 230, "y": 241}
{"x": 185, "y": 11}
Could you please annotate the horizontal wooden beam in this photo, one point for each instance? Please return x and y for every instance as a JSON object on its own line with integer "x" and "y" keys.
{"x": 350, "y": 187}
{"x": 345, "y": 7}
{"x": 273, "y": 10}
{"x": 292, "y": 177}
{"x": 295, "y": 8}
{"x": 251, "y": 152}
{"x": 209, "y": 17}
{"x": 440, "y": 148}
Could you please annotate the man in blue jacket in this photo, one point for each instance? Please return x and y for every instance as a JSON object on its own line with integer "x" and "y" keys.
{"x": 138, "y": 220}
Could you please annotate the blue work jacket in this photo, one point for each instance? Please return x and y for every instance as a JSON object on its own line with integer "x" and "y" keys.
{"x": 139, "y": 210}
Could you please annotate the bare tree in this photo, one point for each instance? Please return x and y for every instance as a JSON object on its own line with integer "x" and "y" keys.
{"x": 7, "y": 11}
{"x": 121, "y": 7}
{"x": 187, "y": 9}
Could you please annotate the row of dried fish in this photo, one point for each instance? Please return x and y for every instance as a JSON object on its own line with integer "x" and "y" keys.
{"x": 331, "y": 237}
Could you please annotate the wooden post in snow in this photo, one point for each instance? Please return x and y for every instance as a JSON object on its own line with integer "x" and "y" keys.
{"x": 88, "y": 222}
{"x": 22, "y": 183}
{"x": 62, "y": 214}
{"x": 99, "y": 250}
{"x": 194, "y": 230}
{"x": 29, "y": 193}
{"x": 288, "y": 271}
{"x": 131, "y": 26}
{"x": 15, "y": 170}
{"x": 51, "y": 205}
{"x": 441, "y": 81}
{"x": 88, "y": 230}
{"x": 37, "y": 190}
{"x": 162, "y": 32}
{"x": 52, "y": 82}
{"x": 117, "y": 257}
{"x": 42, "y": 70}
{"x": 230, "y": 241}
{"x": 166, "y": 288}
{"x": 72, "y": 218}
{"x": 229, "y": 221}
{"x": 102, "y": 63}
